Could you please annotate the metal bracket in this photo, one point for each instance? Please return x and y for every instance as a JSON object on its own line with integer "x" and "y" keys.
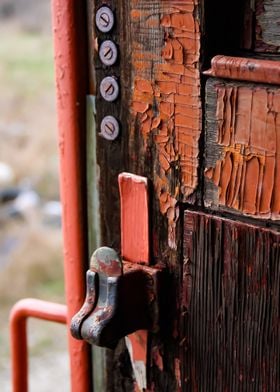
{"x": 122, "y": 297}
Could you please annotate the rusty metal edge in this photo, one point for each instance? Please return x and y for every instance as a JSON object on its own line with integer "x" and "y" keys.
{"x": 70, "y": 43}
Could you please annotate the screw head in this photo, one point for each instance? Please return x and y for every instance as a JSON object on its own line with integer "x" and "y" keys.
{"x": 109, "y": 89}
{"x": 108, "y": 52}
{"x": 109, "y": 128}
{"x": 104, "y": 19}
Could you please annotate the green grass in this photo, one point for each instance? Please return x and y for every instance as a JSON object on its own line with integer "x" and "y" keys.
{"x": 26, "y": 61}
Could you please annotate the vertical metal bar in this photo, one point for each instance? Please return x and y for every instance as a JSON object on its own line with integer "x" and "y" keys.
{"x": 94, "y": 241}
{"x": 70, "y": 41}
{"x": 19, "y": 353}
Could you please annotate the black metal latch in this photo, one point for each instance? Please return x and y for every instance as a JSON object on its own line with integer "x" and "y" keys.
{"x": 122, "y": 297}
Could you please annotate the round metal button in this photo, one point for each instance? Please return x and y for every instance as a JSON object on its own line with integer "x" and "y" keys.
{"x": 109, "y": 88}
{"x": 108, "y": 52}
{"x": 104, "y": 19}
{"x": 110, "y": 128}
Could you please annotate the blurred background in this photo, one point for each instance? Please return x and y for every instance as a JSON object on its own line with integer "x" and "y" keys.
{"x": 30, "y": 211}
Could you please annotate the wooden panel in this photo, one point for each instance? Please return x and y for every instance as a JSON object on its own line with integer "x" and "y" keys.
{"x": 242, "y": 155}
{"x": 230, "y": 306}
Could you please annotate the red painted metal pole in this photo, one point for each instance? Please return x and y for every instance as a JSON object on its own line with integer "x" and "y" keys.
{"x": 19, "y": 352}
{"x": 70, "y": 44}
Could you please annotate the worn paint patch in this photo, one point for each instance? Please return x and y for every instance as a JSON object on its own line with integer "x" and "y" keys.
{"x": 166, "y": 97}
{"x": 243, "y": 148}
{"x": 137, "y": 347}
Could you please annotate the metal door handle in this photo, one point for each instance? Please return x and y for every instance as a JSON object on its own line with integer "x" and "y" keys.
{"x": 122, "y": 297}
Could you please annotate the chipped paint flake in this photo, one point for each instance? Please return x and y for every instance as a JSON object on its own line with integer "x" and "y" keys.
{"x": 166, "y": 97}
{"x": 242, "y": 155}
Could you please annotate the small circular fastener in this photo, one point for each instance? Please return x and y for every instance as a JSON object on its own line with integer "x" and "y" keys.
{"x": 109, "y": 88}
{"x": 104, "y": 19}
{"x": 110, "y": 128}
{"x": 108, "y": 52}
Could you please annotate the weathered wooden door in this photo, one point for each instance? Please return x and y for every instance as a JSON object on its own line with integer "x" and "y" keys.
{"x": 210, "y": 146}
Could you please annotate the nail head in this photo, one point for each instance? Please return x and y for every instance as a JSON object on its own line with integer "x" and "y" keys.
{"x": 110, "y": 128}
{"x": 109, "y": 89}
{"x": 104, "y": 19}
{"x": 108, "y": 52}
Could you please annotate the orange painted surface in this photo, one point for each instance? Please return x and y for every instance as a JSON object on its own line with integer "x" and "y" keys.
{"x": 70, "y": 40}
{"x": 135, "y": 248}
{"x": 166, "y": 97}
{"x": 19, "y": 351}
{"x": 134, "y": 218}
{"x": 247, "y": 175}
{"x": 247, "y": 69}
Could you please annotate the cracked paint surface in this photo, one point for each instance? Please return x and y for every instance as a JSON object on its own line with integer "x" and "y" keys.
{"x": 166, "y": 106}
{"x": 242, "y": 148}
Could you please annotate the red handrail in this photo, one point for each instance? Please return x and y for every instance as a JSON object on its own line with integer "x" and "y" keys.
{"x": 20, "y": 312}
{"x": 70, "y": 44}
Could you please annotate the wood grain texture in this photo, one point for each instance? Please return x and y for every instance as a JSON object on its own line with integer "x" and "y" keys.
{"x": 261, "y": 26}
{"x": 112, "y": 369}
{"x": 267, "y": 26}
{"x": 242, "y": 148}
{"x": 230, "y": 306}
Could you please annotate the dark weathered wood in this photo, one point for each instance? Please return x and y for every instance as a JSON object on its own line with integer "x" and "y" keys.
{"x": 261, "y": 26}
{"x": 230, "y": 306}
{"x": 160, "y": 115}
{"x": 267, "y": 33}
{"x": 113, "y": 367}
{"x": 212, "y": 295}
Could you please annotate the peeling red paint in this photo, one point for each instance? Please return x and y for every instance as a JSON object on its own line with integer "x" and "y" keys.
{"x": 166, "y": 97}
{"x": 247, "y": 174}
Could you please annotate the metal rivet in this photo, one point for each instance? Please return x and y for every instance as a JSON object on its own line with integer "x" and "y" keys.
{"x": 108, "y": 52}
{"x": 110, "y": 128}
{"x": 109, "y": 88}
{"x": 104, "y": 19}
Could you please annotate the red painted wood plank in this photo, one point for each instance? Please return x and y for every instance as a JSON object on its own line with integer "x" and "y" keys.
{"x": 134, "y": 218}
